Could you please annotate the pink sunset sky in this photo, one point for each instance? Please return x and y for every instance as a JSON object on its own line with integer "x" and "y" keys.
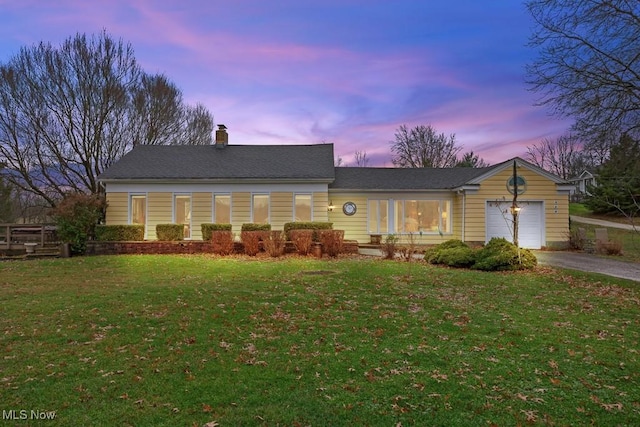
{"x": 349, "y": 72}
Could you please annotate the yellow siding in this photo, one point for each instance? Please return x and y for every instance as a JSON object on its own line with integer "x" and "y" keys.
{"x": 281, "y": 210}
{"x": 538, "y": 188}
{"x": 240, "y": 209}
{"x": 201, "y": 206}
{"x": 117, "y": 209}
{"x": 320, "y": 203}
{"x": 356, "y": 227}
{"x": 456, "y": 215}
{"x": 159, "y": 211}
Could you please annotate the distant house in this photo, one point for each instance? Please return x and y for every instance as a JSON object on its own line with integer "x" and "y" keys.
{"x": 581, "y": 184}
{"x": 276, "y": 184}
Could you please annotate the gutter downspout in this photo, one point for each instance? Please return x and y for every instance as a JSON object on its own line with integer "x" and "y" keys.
{"x": 464, "y": 214}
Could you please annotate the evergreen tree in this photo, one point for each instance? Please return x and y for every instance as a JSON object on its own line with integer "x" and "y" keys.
{"x": 618, "y": 181}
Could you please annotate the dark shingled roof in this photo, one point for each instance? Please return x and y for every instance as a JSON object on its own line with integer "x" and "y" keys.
{"x": 233, "y": 162}
{"x": 404, "y": 178}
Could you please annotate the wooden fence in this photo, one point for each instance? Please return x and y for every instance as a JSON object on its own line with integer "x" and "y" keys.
{"x": 14, "y": 236}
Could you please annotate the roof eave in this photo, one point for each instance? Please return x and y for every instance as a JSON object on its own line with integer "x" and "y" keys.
{"x": 216, "y": 180}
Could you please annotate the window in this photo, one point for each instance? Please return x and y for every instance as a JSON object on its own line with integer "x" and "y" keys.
{"x": 422, "y": 216}
{"x": 302, "y": 207}
{"x": 182, "y": 214}
{"x": 378, "y": 216}
{"x": 138, "y": 209}
{"x": 260, "y": 208}
{"x": 222, "y": 209}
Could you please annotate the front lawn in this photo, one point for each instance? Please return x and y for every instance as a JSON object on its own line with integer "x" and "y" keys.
{"x": 191, "y": 340}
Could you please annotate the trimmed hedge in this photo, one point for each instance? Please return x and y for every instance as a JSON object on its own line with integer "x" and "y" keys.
{"x": 332, "y": 241}
{"x": 170, "y": 232}
{"x": 120, "y": 233}
{"x": 222, "y": 242}
{"x": 302, "y": 225}
{"x": 255, "y": 227}
{"x": 209, "y": 227}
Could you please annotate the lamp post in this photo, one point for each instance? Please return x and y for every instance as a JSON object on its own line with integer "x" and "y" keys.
{"x": 515, "y": 210}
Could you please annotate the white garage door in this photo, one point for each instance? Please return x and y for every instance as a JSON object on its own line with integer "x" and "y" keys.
{"x": 499, "y": 223}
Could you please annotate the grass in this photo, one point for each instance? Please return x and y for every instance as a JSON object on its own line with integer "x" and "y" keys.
{"x": 579, "y": 209}
{"x": 629, "y": 239}
{"x": 191, "y": 340}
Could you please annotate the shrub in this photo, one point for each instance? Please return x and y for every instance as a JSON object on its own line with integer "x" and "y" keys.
{"x": 274, "y": 242}
{"x": 578, "y": 238}
{"x": 251, "y": 241}
{"x": 500, "y": 254}
{"x": 208, "y": 227}
{"x": 303, "y": 225}
{"x": 390, "y": 246}
{"x": 222, "y": 242}
{"x": 120, "y": 233}
{"x": 302, "y": 240}
{"x": 612, "y": 247}
{"x": 332, "y": 241}
{"x": 170, "y": 232}
{"x": 255, "y": 227}
{"x": 432, "y": 254}
{"x": 461, "y": 257}
{"x": 409, "y": 249}
{"x": 76, "y": 217}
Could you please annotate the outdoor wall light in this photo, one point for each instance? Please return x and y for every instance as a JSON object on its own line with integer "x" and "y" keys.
{"x": 331, "y": 207}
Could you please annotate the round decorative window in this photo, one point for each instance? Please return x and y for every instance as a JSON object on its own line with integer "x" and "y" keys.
{"x": 349, "y": 208}
{"x": 522, "y": 184}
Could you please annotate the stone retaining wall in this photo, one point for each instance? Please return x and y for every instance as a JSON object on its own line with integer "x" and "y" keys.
{"x": 181, "y": 247}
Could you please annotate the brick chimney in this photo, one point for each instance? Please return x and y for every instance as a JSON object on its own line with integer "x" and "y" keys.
{"x": 222, "y": 137}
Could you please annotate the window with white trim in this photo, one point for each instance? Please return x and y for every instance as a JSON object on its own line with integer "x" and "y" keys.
{"x": 222, "y": 209}
{"x": 138, "y": 209}
{"x": 378, "y": 216}
{"x": 182, "y": 213}
{"x": 422, "y": 216}
{"x": 302, "y": 208}
{"x": 260, "y": 209}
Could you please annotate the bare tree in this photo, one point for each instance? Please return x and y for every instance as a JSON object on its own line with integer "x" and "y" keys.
{"x": 68, "y": 113}
{"x": 360, "y": 159}
{"x": 588, "y": 64}
{"x": 564, "y": 156}
{"x": 423, "y": 147}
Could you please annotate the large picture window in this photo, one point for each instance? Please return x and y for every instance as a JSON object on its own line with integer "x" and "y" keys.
{"x": 260, "y": 208}
{"x": 182, "y": 214}
{"x": 222, "y": 208}
{"x": 302, "y": 207}
{"x": 422, "y": 216}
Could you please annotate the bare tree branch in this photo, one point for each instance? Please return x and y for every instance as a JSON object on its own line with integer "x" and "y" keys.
{"x": 588, "y": 64}
{"x": 422, "y": 147}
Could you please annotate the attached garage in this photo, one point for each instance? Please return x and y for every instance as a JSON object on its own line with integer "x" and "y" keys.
{"x": 499, "y": 223}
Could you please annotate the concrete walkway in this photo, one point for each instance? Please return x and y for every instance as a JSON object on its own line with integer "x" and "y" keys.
{"x": 603, "y": 223}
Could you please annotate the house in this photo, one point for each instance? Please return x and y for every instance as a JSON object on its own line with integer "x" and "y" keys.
{"x": 581, "y": 184}
{"x": 237, "y": 184}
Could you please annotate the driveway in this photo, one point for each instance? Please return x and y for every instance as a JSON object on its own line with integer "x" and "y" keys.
{"x": 590, "y": 263}
{"x": 570, "y": 260}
